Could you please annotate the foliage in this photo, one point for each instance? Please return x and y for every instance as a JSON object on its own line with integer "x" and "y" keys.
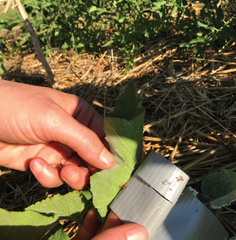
{"x": 127, "y": 25}
{"x": 2, "y": 63}
{"x": 42, "y": 217}
{"x": 211, "y": 29}
{"x": 10, "y": 19}
{"x": 124, "y": 134}
{"x": 41, "y": 220}
{"x": 221, "y": 187}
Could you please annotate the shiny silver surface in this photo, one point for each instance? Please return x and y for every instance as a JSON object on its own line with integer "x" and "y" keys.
{"x": 150, "y": 198}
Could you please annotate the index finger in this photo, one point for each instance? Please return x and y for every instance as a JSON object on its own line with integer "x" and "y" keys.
{"x": 58, "y": 125}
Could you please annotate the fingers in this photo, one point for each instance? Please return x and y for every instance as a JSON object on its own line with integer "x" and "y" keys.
{"x": 42, "y": 115}
{"x": 49, "y": 176}
{"x": 130, "y": 231}
{"x": 90, "y": 227}
{"x": 111, "y": 221}
{"x": 115, "y": 229}
{"x": 111, "y": 229}
{"x": 86, "y": 115}
{"x": 61, "y": 127}
{"x": 74, "y": 176}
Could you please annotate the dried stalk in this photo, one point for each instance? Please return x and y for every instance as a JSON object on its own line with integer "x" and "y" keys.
{"x": 33, "y": 35}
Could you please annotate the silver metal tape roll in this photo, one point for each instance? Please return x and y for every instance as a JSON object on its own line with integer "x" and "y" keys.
{"x": 150, "y": 198}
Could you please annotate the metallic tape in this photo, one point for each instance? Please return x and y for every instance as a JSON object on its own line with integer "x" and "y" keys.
{"x": 189, "y": 219}
{"x": 150, "y": 198}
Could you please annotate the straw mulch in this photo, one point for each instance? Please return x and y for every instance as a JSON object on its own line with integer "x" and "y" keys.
{"x": 190, "y": 108}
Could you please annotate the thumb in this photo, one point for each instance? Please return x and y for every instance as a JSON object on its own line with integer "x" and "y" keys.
{"x": 129, "y": 231}
{"x": 62, "y": 127}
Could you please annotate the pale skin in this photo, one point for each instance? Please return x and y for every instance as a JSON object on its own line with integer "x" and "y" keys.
{"x": 58, "y": 136}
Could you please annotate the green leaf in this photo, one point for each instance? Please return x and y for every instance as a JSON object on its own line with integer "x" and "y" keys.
{"x": 25, "y": 38}
{"x": 87, "y": 194}
{"x": 184, "y": 45}
{"x": 2, "y": 68}
{"x": 129, "y": 105}
{"x": 204, "y": 25}
{"x": 108, "y": 43}
{"x": 95, "y": 9}
{"x": 127, "y": 68}
{"x": 125, "y": 141}
{"x": 25, "y": 225}
{"x": 65, "y": 46}
{"x": 197, "y": 40}
{"x": 121, "y": 20}
{"x": 80, "y": 45}
{"x": 57, "y": 233}
{"x": 40, "y": 218}
{"x": 33, "y": 4}
{"x": 158, "y": 5}
{"x": 221, "y": 186}
{"x": 70, "y": 206}
{"x": 174, "y": 10}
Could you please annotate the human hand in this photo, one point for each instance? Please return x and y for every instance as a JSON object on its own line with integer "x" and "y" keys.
{"x": 51, "y": 132}
{"x": 112, "y": 229}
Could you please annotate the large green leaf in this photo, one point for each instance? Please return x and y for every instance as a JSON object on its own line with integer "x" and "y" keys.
{"x": 71, "y": 206}
{"x": 221, "y": 186}
{"x": 41, "y": 217}
{"x": 125, "y": 141}
{"x": 25, "y": 225}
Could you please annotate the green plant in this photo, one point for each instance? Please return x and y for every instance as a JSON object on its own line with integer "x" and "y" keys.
{"x": 220, "y": 186}
{"x": 127, "y": 25}
{"x": 2, "y": 62}
{"x": 65, "y": 24}
{"x": 212, "y": 29}
{"x": 124, "y": 134}
{"x": 9, "y": 19}
{"x": 134, "y": 23}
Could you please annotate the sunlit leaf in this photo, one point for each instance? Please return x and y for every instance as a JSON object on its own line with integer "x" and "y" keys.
{"x": 65, "y": 46}
{"x": 125, "y": 141}
{"x": 70, "y": 205}
{"x": 108, "y": 43}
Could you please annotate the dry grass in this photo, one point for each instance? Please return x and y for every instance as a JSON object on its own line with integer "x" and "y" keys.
{"x": 190, "y": 108}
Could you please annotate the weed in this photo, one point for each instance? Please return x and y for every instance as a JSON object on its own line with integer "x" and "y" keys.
{"x": 127, "y": 25}
{"x": 2, "y": 63}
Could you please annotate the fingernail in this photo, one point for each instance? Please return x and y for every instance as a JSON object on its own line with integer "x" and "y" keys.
{"x": 73, "y": 176}
{"x": 38, "y": 167}
{"x": 106, "y": 158}
{"x": 136, "y": 234}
